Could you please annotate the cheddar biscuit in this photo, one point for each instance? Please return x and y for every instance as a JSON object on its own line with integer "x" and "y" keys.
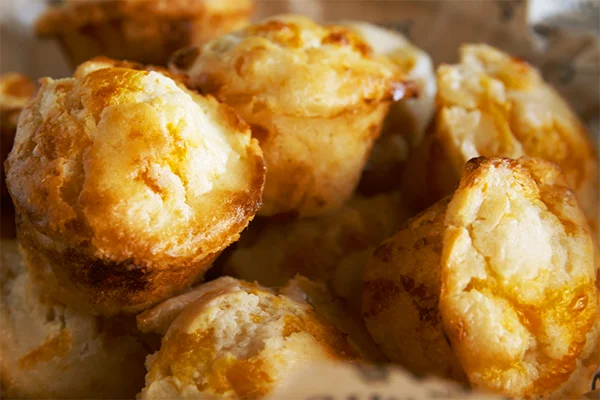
{"x": 495, "y": 285}
{"x": 237, "y": 340}
{"x": 492, "y": 104}
{"x": 147, "y": 31}
{"x": 127, "y": 186}
{"x": 315, "y": 97}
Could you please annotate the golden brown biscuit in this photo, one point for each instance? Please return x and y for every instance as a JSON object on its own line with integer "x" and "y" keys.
{"x": 498, "y": 281}
{"x": 127, "y": 186}
{"x": 407, "y": 119}
{"x": 273, "y": 252}
{"x": 315, "y": 98}
{"x": 148, "y": 31}
{"x": 492, "y": 104}
{"x": 48, "y": 350}
{"x": 237, "y": 340}
{"x": 15, "y": 90}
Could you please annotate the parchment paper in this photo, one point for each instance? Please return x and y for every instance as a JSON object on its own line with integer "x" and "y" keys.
{"x": 561, "y": 37}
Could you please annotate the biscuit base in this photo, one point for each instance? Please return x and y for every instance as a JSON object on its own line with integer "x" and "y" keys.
{"x": 102, "y": 287}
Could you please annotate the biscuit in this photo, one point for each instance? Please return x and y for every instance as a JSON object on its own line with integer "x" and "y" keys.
{"x": 315, "y": 97}
{"x": 492, "y": 104}
{"x": 147, "y": 31}
{"x": 48, "y": 350}
{"x": 237, "y": 341}
{"x": 407, "y": 119}
{"x": 15, "y": 90}
{"x": 127, "y": 186}
{"x": 497, "y": 282}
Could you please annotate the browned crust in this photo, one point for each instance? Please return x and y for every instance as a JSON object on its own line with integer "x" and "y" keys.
{"x": 98, "y": 271}
{"x": 76, "y": 13}
{"x": 402, "y": 283}
{"x": 141, "y": 30}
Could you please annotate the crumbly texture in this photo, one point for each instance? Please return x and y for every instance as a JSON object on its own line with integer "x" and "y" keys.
{"x": 315, "y": 97}
{"x": 497, "y": 283}
{"x": 187, "y": 166}
{"x": 48, "y": 350}
{"x": 519, "y": 300}
{"x": 237, "y": 341}
{"x": 492, "y": 104}
{"x": 147, "y": 31}
{"x": 273, "y": 252}
{"x": 402, "y": 284}
{"x": 407, "y": 119}
{"x": 15, "y": 90}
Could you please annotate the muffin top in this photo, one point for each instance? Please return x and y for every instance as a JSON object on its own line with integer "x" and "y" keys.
{"x": 238, "y": 340}
{"x": 293, "y": 66}
{"x": 73, "y": 14}
{"x": 519, "y": 299}
{"x": 129, "y": 165}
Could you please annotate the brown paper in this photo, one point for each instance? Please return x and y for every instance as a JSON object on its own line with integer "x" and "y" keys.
{"x": 558, "y": 36}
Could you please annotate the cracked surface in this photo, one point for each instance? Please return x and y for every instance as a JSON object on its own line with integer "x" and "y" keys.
{"x": 48, "y": 350}
{"x": 518, "y": 298}
{"x": 123, "y": 166}
{"x": 238, "y": 340}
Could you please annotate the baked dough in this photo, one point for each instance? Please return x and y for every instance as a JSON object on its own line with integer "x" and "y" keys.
{"x": 237, "y": 340}
{"x": 147, "y": 31}
{"x": 48, "y": 350}
{"x": 315, "y": 97}
{"x": 497, "y": 282}
{"x": 492, "y": 104}
{"x": 127, "y": 186}
{"x": 407, "y": 119}
{"x": 273, "y": 252}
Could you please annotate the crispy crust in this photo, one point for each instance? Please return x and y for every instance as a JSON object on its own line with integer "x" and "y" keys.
{"x": 147, "y": 31}
{"x": 314, "y": 96}
{"x": 238, "y": 340}
{"x": 492, "y": 104}
{"x": 501, "y": 279}
{"x": 402, "y": 284}
{"x": 48, "y": 350}
{"x": 83, "y": 243}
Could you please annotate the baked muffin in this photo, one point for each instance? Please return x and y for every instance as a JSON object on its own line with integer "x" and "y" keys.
{"x": 407, "y": 119}
{"x": 237, "y": 341}
{"x": 315, "y": 97}
{"x": 15, "y": 90}
{"x": 147, "y": 31}
{"x": 127, "y": 186}
{"x": 48, "y": 350}
{"x": 498, "y": 282}
{"x": 273, "y": 252}
{"x": 492, "y": 104}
